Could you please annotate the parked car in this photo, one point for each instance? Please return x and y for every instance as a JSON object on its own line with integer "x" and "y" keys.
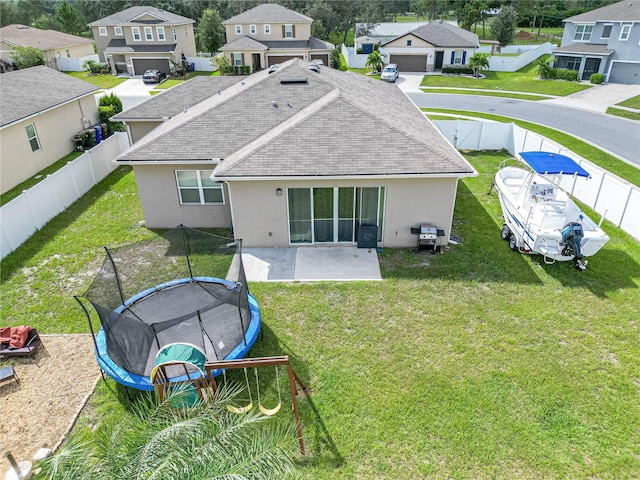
{"x": 153, "y": 76}
{"x": 390, "y": 73}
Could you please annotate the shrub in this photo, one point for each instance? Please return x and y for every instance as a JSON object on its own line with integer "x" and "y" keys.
{"x": 106, "y": 112}
{"x": 596, "y": 78}
{"x": 563, "y": 74}
{"x": 463, "y": 70}
{"x": 111, "y": 99}
{"x": 335, "y": 60}
{"x": 95, "y": 68}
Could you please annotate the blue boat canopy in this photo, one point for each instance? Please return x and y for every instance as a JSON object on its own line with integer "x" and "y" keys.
{"x": 552, "y": 163}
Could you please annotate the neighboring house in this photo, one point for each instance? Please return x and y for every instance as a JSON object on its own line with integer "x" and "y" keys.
{"x": 281, "y": 158}
{"x": 146, "y": 116}
{"x": 370, "y": 34}
{"x": 42, "y": 109}
{"x": 605, "y": 40}
{"x": 143, "y": 38}
{"x": 269, "y": 34}
{"x": 431, "y": 47}
{"x": 52, "y": 44}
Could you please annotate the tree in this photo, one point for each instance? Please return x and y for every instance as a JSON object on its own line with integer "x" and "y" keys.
{"x": 25, "y": 57}
{"x": 222, "y": 63}
{"x": 470, "y": 13}
{"x": 69, "y": 18}
{"x": 336, "y": 61}
{"x": 159, "y": 441}
{"x": 543, "y": 67}
{"x": 210, "y": 31}
{"x": 375, "y": 61}
{"x": 478, "y": 62}
{"x": 504, "y": 25}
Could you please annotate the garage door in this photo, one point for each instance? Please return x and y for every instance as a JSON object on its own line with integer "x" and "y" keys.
{"x": 410, "y": 63}
{"x": 323, "y": 57}
{"x": 625, "y": 73}
{"x": 273, "y": 59}
{"x": 141, "y": 65}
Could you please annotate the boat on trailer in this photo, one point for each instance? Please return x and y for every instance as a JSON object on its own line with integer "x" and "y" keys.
{"x": 540, "y": 217}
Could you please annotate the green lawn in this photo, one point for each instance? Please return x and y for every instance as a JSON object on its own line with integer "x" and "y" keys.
{"x": 172, "y": 82}
{"x": 476, "y": 363}
{"x": 486, "y": 93}
{"x": 633, "y": 102}
{"x": 524, "y": 80}
{"x": 619, "y": 112}
{"x": 102, "y": 81}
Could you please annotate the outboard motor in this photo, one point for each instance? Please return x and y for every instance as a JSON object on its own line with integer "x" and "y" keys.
{"x": 572, "y": 235}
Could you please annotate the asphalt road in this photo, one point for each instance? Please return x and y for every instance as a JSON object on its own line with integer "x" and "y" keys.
{"x": 616, "y": 135}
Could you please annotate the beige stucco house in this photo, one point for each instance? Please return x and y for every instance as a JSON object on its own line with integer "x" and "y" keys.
{"x": 282, "y": 159}
{"x": 143, "y": 38}
{"x": 42, "y": 109}
{"x": 430, "y": 47}
{"x": 53, "y": 44}
{"x": 270, "y": 34}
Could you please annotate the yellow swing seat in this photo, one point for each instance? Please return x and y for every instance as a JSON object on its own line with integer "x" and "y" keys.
{"x": 244, "y": 409}
{"x": 270, "y": 411}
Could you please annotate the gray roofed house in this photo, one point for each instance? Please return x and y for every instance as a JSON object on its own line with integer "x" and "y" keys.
{"x": 42, "y": 109}
{"x": 430, "y": 47}
{"x": 605, "y": 41}
{"x": 251, "y": 152}
{"x": 51, "y": 43}
{"x": 270, "y": 34}
{"x": 143, "y": 38}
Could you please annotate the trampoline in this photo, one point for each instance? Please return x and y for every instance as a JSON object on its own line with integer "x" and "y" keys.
{"x": 217, "y": 315}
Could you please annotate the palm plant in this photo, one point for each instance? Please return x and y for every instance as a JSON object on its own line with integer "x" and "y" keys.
{"x": 477, "y": 62}
{"x": 160, "y": 442}
{"x": 543, "y": 67}
{"x": 375, "y": 61}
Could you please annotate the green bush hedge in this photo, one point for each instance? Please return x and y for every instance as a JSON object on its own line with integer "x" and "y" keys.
{"x": 563, "y": 74}
{"x": 458, "y": 70}
{"x": 596, "y": 78}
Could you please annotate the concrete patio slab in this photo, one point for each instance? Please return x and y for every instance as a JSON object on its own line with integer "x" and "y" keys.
{"x": 310, "y": 264}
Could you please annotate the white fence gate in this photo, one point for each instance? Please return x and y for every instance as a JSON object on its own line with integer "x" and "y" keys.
{"x": 29, "y": 212}
{"x": 612, "y": 197}
{"x": 66, "y": 64}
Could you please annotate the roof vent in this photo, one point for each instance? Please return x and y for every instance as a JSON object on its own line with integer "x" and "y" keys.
{"x": 315, "y": 68}
{"x": 293, "y": 80}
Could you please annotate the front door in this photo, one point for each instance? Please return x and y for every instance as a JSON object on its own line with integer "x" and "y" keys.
{"x": 255, "y": 61}
{"x": 591, "y": 65}
{"x": 331, "y": 215}
{"x": 439, "y": 60}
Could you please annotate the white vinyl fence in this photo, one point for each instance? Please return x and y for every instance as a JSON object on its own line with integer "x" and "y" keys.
{"x": 612, "y": 197}
{"x": 513, "y": 64}
{"x": 202, "y": 63}
{"x": 75, "y": 64}
{"x": 29, "y": 212}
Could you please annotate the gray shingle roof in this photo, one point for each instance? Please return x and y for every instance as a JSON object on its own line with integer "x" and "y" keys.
{"x": 379, "y": 130}
{"x": 119, "y": 45}
{"x": 443, "y": 34}
{"x": 389, "y": 29}
{"x": 588, "y": 48}
{"x": 175, "y": 100}
{"x": 25, "y": 36}
{"x": 248, "y": 43}
{"x": 245, "y": 43}
{"x": 269, "y": 13}
{"x": 26, "y": 92}
{"x": 129, "y": 15}
{"x": 625, "y": 11}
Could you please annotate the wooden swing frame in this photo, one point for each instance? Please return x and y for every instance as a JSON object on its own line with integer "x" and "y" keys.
{"x": 209, "y": 367}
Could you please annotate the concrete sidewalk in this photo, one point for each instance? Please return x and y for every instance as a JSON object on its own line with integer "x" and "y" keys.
{"x": 310, "y": 264}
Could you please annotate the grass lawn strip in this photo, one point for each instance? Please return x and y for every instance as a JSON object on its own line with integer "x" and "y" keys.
{"x": 487, "y": 93}
{"x": 619, "y": 112}
{"x": 610, "y": 163}
{"x": 476, "y": 363}
{"x": 633, "y": 102}
{"x": 103, "y": 81}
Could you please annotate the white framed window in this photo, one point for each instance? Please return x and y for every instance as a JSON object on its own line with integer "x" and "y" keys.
{"x": 267, "y": 29}
{"x": 118, "y": 31}
{"x": 238, "y": 29}
{"x": 160, "y": 33}
{"x": 148, "y": 34}
{"x": 195, "y": 187}
{"x": 252, "y": 29}
{"x": 409, "y": 43}
{"x": 606, "y": 31}
{"x": 573, "y": 63}
{"x": 102, "y": 31}
{"x": 175, "y": 35}
{"x": 135, "y": 31}
{"x": 625, "y": 30}
{"x": 288, "y": 31}
{"x": 237, "y": 59}
{"x": 583, "y": 33}
{"x": 458, "y": 57}
{"x": 32, "y": 135}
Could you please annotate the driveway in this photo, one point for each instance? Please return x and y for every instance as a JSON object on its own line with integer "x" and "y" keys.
{"x": 597, "y": 98}
{"x": 131, "y": 92}
{"x": 310, "y": 264}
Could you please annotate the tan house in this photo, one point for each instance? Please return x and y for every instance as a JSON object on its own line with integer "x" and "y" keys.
{"x": 270, "y": 34}
{"x": 430, "y": 47}
{"x": 143, "y": 38}
{"x": 281, "y": 158}
{"x": 53, "y": 44}
{"x": 42, "y": 109}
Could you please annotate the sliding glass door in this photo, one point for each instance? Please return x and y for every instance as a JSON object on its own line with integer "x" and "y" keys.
{"x": 332, "y": 215}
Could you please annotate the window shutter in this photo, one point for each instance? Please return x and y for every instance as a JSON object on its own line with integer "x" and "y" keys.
{"x": 464, "y": 57}
{"x": 283, "y": 32}
{"x": 243, "y": 59}
{"x": 453, "y": 57}
{"x": 293, "y": 31}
